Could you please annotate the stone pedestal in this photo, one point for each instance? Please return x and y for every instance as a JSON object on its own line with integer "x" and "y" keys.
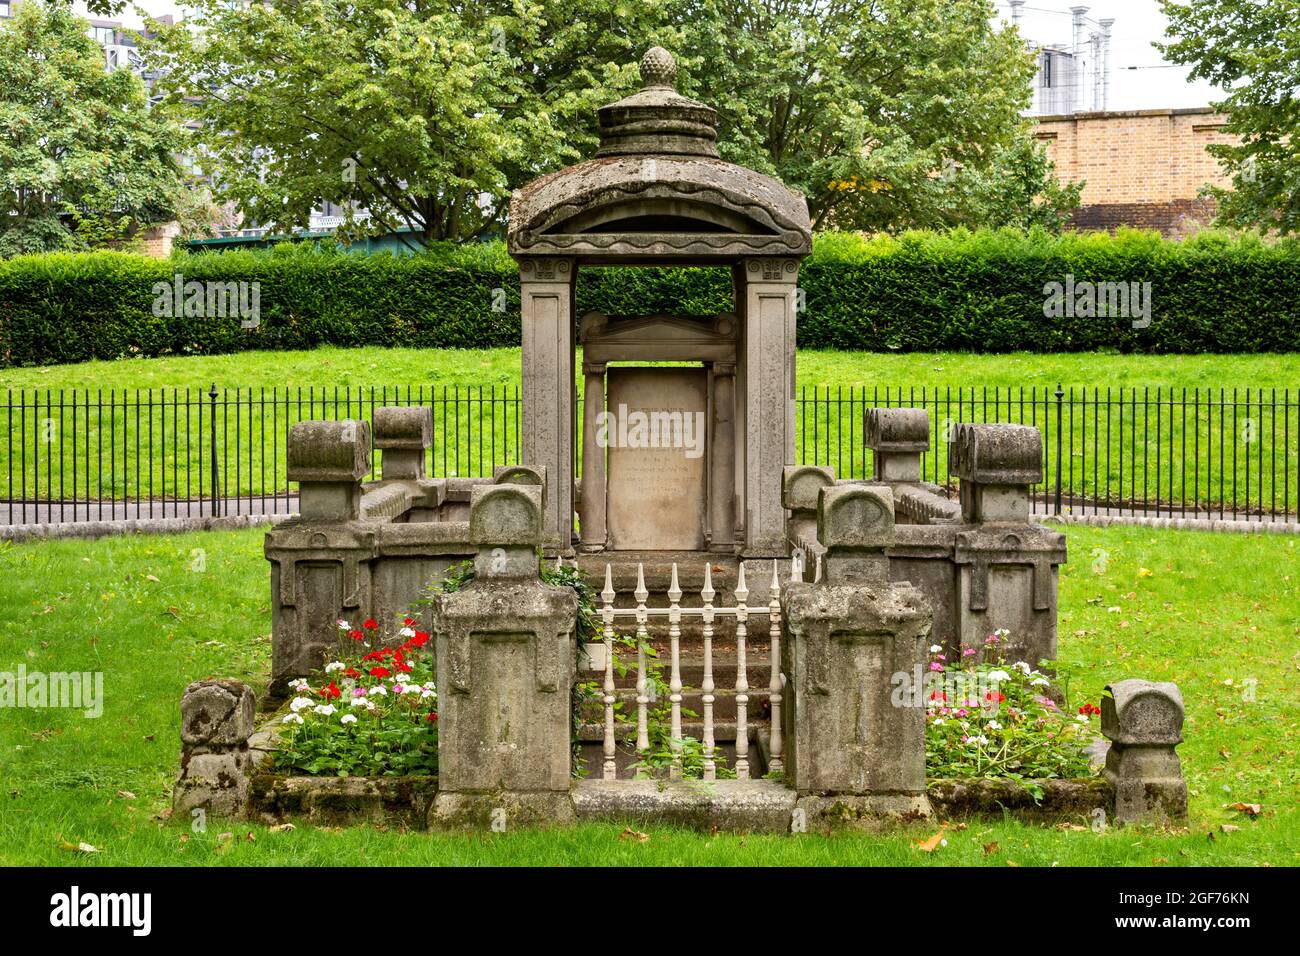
{"x": 852, "y": 754}
{"x": 1144, "y": 723}
{"x": 897, "y": 437}
{"x": 403, "y": 435}
{"x": 505, "y": 672}
{"x": 216, "y": 722}
{"x": 1007, "y": 566}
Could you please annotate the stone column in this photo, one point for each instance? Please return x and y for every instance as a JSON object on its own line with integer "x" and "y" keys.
{"x": 505, "y": 671}
{"x": 216, "y": 722}
{"x": 321, "y": 559}
{"x": 591, "y": 506}
{"x": 1007, "y": 566}
{"x": 403, "y": 434}
{"x": 855, "y": 746}
{"x": 897, "y": 438}
{"x": 1144, "y": 723}
{"x": 770, "y": 287}
{"x": 549, "y": 400}
{"x": 722, "y": 459}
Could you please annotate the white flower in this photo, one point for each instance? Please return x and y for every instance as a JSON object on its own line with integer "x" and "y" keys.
{"x": 998, "y": 676}
{"x": 992, "y": 725}
{"x": 292, "y": 719}
{"x": 1022, "y": 667}
{"x": 402, "y": 678}
{"x": 380, "y": 690}
{"x": 370, "y": 706}
{"x": 407, "y": 632}
{"x": 333, "y": 666}
{"x": 300, "y": 703}
{"x": 935, "y": 648}
{"x": 324, "y": 709}
{"x": 429, "y": 685}
{"x": 1081, "y": 718}
{"x": 300, "y": 685}
{"x": 426, "y": 694}
{"x": 981, "y": 740}
{"x": 343, "y": 625}
{"x": 359, "y": 702}
{"x": 348, "y": 719}
{"x": 938, "y": 720}
{"x": 1039, "y": 682}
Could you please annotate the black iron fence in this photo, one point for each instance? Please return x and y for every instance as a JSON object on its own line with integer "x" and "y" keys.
{"x": 76, "y": 454}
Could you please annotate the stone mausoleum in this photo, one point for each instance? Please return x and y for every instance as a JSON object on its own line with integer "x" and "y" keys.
{"x": 796, "y": 604}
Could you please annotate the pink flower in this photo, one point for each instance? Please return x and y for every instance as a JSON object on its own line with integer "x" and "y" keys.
{"x": 936, "y": 666}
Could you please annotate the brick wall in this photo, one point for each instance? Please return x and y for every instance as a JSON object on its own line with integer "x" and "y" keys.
{"x": 1143, "y": 168}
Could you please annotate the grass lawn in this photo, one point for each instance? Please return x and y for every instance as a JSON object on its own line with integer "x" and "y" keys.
{"x": 1219, "y": 614}
{"x": 86, "y": 432}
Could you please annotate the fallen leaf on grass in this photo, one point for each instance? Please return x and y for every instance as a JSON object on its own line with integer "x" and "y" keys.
{"x": 1229, "y": 828}
{"x": 930, "y": 845}
{"x": 283, "y": 828}
{"x": 126, "y": 794}
{"x": 630, "y": 834}
{"x": 990, "y": 848}
{"x": 1251, "y": 809}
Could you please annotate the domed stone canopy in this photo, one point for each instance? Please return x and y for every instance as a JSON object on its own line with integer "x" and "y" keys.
{"x": 657, "y": 190}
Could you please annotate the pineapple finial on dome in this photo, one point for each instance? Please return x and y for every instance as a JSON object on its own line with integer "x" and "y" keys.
{"x": 658, "y": 68}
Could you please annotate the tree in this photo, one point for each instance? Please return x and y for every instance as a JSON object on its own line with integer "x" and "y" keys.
{"x": 424, "y": 113}
{"x": 1252, "y": 50}
{"x": 83, "y": 159}
{"x": 887, "y": 114}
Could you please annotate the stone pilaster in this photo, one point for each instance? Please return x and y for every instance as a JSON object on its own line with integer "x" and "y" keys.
{"x": 591, "y": 509}
{"x": 769, "y": 296}
{"x": 855, "y": 753}
{"x": 1144, "y": 723}
{"x": 549, "y": 392}
{"x": 505, "y": 671}
{"x": 722, "y": 453}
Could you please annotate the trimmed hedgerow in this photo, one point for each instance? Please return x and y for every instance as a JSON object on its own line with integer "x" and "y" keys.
{"x": 979, "y": 291}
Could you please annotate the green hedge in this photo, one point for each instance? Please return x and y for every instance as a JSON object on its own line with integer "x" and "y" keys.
{"x": 978, "y": 291}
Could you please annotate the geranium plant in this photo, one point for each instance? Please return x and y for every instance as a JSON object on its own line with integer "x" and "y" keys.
{"x": 987, "y": 719}
{"x": 373, "y": 712}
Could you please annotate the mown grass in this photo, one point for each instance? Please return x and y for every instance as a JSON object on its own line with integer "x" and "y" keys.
{"x": 1218, "y": 614}
{"x": 1208, "y": 431}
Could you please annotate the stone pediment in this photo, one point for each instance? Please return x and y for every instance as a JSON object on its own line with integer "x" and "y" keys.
{"x": 658, "y": 338}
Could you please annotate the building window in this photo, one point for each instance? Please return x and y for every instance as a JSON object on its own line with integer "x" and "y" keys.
{"x": 4, "y": 8}
{"x": 104, "y": 36}
{"x": 1047, "y": 71}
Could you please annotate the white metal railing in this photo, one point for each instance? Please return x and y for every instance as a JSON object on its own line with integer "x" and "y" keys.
{"x": 708, "y": 613}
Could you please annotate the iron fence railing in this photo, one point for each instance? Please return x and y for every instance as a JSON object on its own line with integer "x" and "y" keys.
{"x": 78, "y": 454}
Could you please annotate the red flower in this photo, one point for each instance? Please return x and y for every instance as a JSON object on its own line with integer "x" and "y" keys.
{"x": 997, "y": 698}
{"x": 404, "y": 667}
{"x": 421, "y": 638}
{"x": 330, "y": 692}
{"x": 380, "y": 672}
{"x": 432, "y": 717}
{"x": 355, "y": 634}
{"x": 408, "y": 621}
{"x": 1090, "y": 710}
{"x": 369, "y": 624}
{"x": 352, "y": 672}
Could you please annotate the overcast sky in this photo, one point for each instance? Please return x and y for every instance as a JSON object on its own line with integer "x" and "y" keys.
{"x": 1152, "y": 85}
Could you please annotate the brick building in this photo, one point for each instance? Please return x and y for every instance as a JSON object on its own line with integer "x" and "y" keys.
{"x": 1143, "y": 168}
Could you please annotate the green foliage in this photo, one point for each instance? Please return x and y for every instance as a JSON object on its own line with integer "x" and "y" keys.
{"x": 918, "y": 292}
{"x": 372, "y": 713}
{"x": 986, "y": 719}
{"x": 888, "y": 114}
{"x": 84, "y": 160}
{"x": 1251, "y": 50}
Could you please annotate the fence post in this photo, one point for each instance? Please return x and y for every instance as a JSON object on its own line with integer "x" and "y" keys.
{"x": 212, "y": 432}
{"x": 1060, "y": 393}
